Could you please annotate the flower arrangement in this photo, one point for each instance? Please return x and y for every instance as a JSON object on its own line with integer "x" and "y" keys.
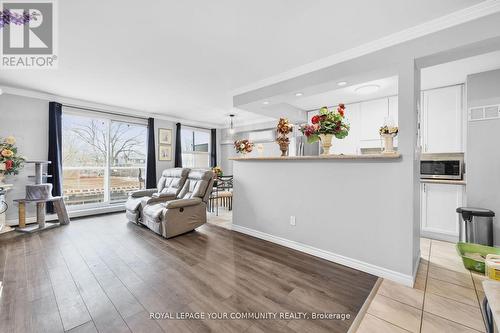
{"x": 8, "y": 17}
{"x": 282, "y": 130}
{"x": 217, "y": 170}
{"x": 388, "y": 130}
{"x": 10, "y": 161}
{"x": 243, "y": 146}
{"x": 327, "y": 123}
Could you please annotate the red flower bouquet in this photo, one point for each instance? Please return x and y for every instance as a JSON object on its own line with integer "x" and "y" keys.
{"x": 327, "y": 123}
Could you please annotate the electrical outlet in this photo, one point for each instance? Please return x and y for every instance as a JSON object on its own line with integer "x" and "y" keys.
{"x": 292, "y": 220}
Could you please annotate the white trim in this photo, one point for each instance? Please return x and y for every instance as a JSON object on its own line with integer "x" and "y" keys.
{"x": 74, "y": 213}
{"x": 68, "y": 101}
{"x": 385, "y": 273}
{"x": 482, "y": 9}
{"x": 439, "y": 235}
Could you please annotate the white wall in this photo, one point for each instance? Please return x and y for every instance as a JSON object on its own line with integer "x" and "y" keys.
{"x": 27, "y": 120}
{"x": 483, "y": 152}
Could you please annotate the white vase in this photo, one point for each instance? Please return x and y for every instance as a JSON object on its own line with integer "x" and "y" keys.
{"x": 2, "y": 177}
{"x": 388, "y": 140}
{"x": 326, "y": 143}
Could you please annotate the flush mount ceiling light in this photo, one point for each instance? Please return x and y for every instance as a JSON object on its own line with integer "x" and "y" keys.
{"x": 368, "y": 89}
{"x": 231, "y": 125}
{"x": 298, "y": 94}
{"x": 265, "y": 102}
{"x": 342, "y": 83}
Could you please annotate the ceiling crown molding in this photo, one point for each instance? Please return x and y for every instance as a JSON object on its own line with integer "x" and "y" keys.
{"x": 68, "y": 101}
{"x": 482, "y": 9}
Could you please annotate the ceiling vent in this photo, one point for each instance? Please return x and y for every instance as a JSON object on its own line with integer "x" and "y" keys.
{"x": 484, "y": 112}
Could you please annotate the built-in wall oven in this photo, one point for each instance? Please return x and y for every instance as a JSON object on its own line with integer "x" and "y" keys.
{"x": 442, "y": 166}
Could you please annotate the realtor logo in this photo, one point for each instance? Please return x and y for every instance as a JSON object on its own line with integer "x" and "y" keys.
{"x": 28, "y": 34}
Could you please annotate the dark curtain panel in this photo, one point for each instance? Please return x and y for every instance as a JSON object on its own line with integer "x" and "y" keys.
{"x": 178, "y": 147}
{"x": 151, "y": 158}
{"x": 55, "y": 151}
{"x": 213, "y": 147}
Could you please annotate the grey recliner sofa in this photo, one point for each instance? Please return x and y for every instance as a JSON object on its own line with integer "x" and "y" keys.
{"x": 182, "y": 213}
{"x": 169, "y": 186}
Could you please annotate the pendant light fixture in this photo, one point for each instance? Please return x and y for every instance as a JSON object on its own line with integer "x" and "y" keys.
{"x": 231, "y": 125}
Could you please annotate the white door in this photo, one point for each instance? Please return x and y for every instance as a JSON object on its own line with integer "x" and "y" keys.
{"x": 442, "y": 120}
{"x": 438, "y": 210}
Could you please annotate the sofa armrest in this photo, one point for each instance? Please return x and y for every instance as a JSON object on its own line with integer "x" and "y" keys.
{"x": 143, "y": 193}
{"x": 181, "y": 203}
{"x": 157, "y": 198}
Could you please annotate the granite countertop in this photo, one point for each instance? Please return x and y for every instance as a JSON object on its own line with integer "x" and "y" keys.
{"x": 492, "y": 292}
{"x": 321, "y": 157}
{"x": 443, "y": 181}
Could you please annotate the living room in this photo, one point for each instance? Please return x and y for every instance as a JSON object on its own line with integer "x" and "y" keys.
{"x": 267, "y": 167}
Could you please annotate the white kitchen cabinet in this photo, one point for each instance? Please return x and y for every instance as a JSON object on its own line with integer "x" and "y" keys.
{"x": 373, "y": 113}
{"x": 438, "y": 203}
{"x": 442, "y": 120}
{"x": 350, "y": 144}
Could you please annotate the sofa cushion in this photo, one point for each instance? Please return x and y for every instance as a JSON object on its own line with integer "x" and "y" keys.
{"x": 153, "y": 212}
{"x": 196, "y": 184}
{"x": 172, "y": 180}
{"x": 133, "y": 204}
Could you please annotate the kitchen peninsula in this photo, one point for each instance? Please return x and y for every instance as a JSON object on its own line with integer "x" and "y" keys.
{"x": 343, "y": 208}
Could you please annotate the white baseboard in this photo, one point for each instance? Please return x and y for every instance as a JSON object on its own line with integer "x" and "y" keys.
{"x": 74, "y": 213}
{"x": 385, "y": 273}
{"x": 439, "y": 235}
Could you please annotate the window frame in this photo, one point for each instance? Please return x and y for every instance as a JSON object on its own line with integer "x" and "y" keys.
{"x": 193, "y": 152}
{"x": 109, "y": 118}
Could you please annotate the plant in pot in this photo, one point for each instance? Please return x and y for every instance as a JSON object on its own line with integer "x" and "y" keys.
{"x": 283, "y": 129}
{"x": 243, "y": 147}
{"x": 326, "y": 125}
{"x": 10, "y": 161}
{"x": 387, "y": 134}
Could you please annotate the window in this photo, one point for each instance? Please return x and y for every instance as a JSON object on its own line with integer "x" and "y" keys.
{"x": 195, "y": 147}
{"x": 103, "y": 159}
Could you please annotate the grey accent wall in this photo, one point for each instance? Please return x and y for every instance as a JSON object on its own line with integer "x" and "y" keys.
{"x": 483, "y": 153}
{"x": 27, "y": 120}
{"x": 162, "y": 165}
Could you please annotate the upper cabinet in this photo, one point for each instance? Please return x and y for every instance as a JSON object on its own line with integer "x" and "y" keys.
{"x": 373, "y": 115}
{"x": 442, "y": 120}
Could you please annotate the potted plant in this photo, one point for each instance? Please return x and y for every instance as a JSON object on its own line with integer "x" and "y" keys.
{"x": 387, "y": 133}
{"x": 326, "y": 125}
{"x": 217, "y": 170}
{"x": 10, "y": 161}
{"x": 283, "y": 129}
{"x": 243, "y": 147}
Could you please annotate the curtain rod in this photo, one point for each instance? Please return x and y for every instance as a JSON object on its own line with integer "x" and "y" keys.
{"x": 106, "y": 112}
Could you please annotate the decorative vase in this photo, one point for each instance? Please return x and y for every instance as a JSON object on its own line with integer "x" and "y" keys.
{"x": 284, "y": 148}
{"x": 326, "y": 143}
{"x": 2, "y": 177}
{"x": 243, "y": 154}
{"x": 388, "y": 140}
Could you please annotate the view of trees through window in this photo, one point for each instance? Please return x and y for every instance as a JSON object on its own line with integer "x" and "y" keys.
{"x": 195, "y": 147}
{"x": 103, "y": 159}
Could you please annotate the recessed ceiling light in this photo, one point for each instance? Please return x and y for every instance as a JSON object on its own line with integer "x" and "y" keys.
{"x": 342, "y": 83}
{"x": 368, "y": 89}
{"x": 265, "y": 102}
{"x": 298, "y": 94}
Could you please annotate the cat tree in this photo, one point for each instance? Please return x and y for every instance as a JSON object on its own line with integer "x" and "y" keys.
{"x": 40, "y": 193}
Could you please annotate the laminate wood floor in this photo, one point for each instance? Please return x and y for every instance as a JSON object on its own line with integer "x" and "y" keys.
{"x": 103, "y": 274}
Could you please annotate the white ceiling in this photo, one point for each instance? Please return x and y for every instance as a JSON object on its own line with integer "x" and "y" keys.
{"x": 183, "y": 58}
{"x": 446, "y": 74}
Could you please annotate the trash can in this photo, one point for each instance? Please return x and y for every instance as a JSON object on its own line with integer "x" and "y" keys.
{"x": 476, "y": 225}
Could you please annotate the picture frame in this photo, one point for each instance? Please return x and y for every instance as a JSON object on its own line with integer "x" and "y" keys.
{"x": 164, "y": 136}
{"x": 164, "y": 152}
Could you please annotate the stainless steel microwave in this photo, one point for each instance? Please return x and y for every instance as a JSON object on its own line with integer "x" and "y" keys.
{"x": 442, "y": 166}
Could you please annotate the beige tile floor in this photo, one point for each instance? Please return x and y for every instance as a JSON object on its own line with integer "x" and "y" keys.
{"x": 446, "y": 297}
{"x": 223, "y": 219}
